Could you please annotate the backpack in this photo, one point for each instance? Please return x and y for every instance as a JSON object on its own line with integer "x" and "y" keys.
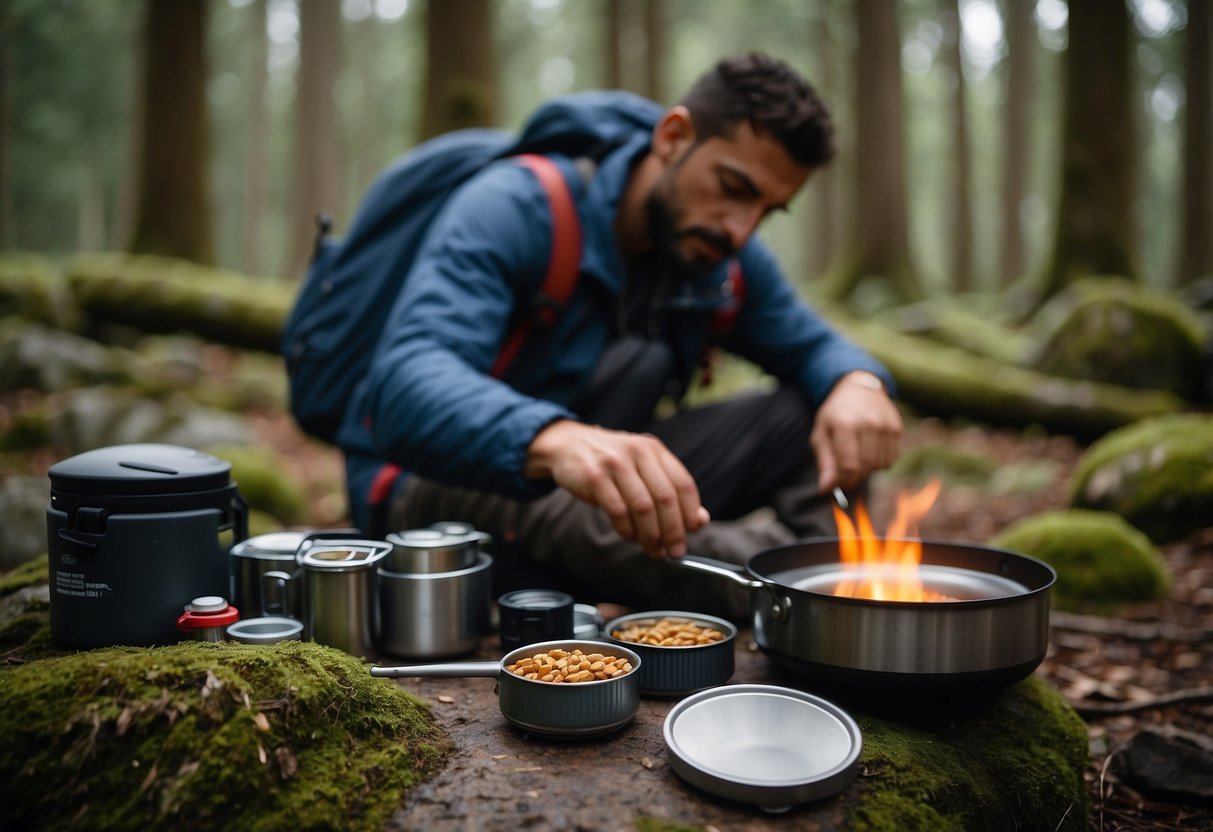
{"x": 351, "y": 284}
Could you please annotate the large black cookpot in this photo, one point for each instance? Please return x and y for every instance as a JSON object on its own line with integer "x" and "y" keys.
{"x": 994, "y": 633}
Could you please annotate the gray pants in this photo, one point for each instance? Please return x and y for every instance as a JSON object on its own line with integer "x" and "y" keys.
{"x": 751, "y": 460}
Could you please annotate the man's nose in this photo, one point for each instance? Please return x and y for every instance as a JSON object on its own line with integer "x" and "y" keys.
{"x": 740, "y": 223}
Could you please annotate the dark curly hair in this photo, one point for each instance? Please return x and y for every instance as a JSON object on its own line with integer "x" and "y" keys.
{"x": 770, "y": 95}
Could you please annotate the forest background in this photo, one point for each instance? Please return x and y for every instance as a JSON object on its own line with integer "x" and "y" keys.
{"x": 215, "y": 130}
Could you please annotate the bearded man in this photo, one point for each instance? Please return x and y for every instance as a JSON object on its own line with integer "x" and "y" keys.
{"x": 563, "y": 458}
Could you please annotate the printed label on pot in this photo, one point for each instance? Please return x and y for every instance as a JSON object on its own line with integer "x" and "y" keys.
{"x": 74, "y": 585}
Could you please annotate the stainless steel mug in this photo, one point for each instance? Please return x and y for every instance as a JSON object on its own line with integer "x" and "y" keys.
{"x": 342, "y": 602}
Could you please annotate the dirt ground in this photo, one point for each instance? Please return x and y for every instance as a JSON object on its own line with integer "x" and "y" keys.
{"x": 1119, "y": 673}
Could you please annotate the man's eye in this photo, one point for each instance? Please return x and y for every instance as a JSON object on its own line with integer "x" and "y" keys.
{"x": 732, "y": 188}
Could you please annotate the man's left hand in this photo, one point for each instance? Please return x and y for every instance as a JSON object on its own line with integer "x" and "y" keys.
{"x": 857, "y": 430}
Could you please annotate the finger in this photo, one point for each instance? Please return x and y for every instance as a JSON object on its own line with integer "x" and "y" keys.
{"x": 668, "y": 511}
{"x": 603, "y": 491}
{"x": 848, "y": 457}
{"x": 641, "y": 506}
{"x": 692, "y": 515}
{"x": 827, "y": 476}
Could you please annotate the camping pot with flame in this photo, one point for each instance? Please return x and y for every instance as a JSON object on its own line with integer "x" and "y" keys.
{"x": 985, "y": 623}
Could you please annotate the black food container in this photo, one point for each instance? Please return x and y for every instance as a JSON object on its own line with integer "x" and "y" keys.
{"x": 134, "y": 532}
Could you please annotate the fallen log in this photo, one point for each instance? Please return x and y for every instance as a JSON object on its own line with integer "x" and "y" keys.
{"x": 162, "y": 295}
{"x": 947, "y": 382}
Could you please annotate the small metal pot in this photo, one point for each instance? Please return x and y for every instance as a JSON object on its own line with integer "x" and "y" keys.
{"x": 435, "y": 615}
{"x": 418, "y": 551}
{"x": 573, "y": 711}
{"x": 677, "y": 671}
{"x": 342, "y": 607}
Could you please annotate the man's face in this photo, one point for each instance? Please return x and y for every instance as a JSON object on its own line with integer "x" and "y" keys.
{"x": 712, "y": 197}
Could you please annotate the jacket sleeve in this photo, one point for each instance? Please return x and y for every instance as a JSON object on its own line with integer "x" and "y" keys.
{"x": 433, "y": 408}
{"x": 779, "y": 332}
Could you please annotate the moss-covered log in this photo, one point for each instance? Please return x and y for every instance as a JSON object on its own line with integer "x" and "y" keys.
{"x": 157, "y": 294}
{"x": 947, "y": 382}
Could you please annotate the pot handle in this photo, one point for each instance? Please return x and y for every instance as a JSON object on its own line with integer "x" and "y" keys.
{"x": 736, "y": 574}
{"x": 451, "y": 670}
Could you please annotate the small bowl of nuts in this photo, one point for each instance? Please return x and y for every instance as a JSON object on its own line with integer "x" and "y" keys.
{"x": 683, "y": 652}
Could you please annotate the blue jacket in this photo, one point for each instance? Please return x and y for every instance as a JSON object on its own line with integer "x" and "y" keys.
{"x": 428, "y": 402}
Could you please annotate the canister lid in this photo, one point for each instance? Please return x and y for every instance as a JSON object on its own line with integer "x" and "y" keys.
{"x": 344, "y": 555}
{"x": 272, "y": 546}
{"x": 128, "y": 470}
{"x": 207, "y": 611}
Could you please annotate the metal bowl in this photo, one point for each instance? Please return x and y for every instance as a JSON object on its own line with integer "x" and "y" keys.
{"x": 677, "y": 671}
{"x": 267, "y": 630}
{"x": 761, "y": 744}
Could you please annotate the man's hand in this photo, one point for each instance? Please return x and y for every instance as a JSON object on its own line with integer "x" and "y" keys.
{"x": 857, "y": 431}
{"x": 645, "y": 490}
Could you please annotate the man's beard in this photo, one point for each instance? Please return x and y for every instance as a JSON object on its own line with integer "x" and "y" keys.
{"x": 664, "y": 208}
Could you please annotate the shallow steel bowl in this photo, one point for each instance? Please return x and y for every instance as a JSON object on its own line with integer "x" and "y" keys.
{"x": 770, "y": 746}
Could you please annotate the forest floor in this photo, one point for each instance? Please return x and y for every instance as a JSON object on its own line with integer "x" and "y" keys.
{"x": 1120, "y": 672}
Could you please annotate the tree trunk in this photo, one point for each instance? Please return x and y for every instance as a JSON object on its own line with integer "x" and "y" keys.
{"x": 461, "y": 73}
{"x": 255, "y": 157}
{"x": 174, "y": 204}
{"x": 1017, "y": 132}
{"x": 1096, "y": 227}
{"x": 318, "y": 156}
{"x": 368, "y": 158}
{"x": 7, "y": 212}
{"x": 1196, "y": 246}
{"x": 962, "y": 204}
{"x": 655, "y": 49}
{"x": 613, "y": 34}
{"x": 823, "y": 193}
{"x": 880, "y": 249}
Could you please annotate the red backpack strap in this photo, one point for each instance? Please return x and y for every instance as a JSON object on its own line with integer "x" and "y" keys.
{"x": 563, "y": 262}
{"x": 724, "y": 317}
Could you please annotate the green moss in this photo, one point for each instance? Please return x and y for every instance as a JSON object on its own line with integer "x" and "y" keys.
{"x": 1013, "y": 762}
{"x": 32, "y": 287}
{"x": 209, "y": 736}
{"x": 1101, "y": 560}
{"x": 1116, "y": 331}
{"x": 264, "y": 481}
{"x": 31, "y": 573}
{"x": 1157, "y": 473}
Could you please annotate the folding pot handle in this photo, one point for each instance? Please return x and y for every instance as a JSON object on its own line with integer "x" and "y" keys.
{"x": 736, "y": 574}
{"x": 451, "y": 670}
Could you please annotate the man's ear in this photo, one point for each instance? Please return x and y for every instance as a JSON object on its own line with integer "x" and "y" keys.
{"x": 674, "y": 134}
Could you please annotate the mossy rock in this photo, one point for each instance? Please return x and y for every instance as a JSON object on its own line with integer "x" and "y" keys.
{"x": 209, "y": 736}
{"x": 1157, "y": 474}
{"x": 1101, "y": 560}
{"x": 1012, "y": 762}
{"x": 1114, "y": 331}
{"x": 263, "y": 481}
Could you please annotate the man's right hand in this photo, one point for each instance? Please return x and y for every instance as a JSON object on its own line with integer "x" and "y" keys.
{"x": 645, "y": 490}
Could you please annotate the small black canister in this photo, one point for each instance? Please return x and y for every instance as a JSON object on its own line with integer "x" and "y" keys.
{"x": 532, "y": 615}
{"x": 134, "y": 532}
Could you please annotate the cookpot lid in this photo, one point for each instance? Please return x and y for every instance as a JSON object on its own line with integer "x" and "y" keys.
{"x": 272, "y": 546}
{"x": 763, "y": 744}
{"x": 136, "y": 470}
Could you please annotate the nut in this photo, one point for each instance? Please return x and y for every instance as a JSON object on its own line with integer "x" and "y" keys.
{"x": 558, "y": 665}
{"x": 668, "y": 632}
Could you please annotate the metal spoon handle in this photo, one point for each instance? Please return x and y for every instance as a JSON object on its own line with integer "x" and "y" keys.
{"x": 841, "y": 499}
{"x": 451, "y": 670}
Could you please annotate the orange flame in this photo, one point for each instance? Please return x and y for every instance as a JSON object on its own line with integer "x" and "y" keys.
{"x": 885, "y": 569}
